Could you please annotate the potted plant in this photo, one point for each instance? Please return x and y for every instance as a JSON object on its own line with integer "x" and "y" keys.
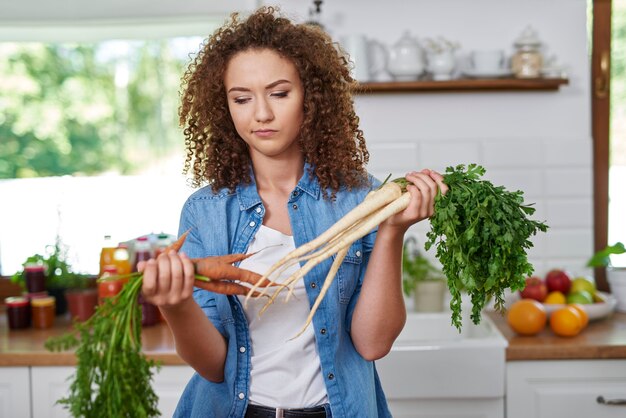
{"x": 59, "y": 277}
{"x": 616, "y": 276}
{"x": 421, "y": 280}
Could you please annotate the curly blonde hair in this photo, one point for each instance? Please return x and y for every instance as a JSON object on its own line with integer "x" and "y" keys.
{"x": 330, "y": 138}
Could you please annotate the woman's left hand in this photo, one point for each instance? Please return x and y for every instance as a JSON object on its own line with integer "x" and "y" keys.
{"x": 423, "y": 189}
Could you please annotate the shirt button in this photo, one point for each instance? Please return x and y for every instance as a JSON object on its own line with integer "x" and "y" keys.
{"x": 258, "y": 210}
{"x": 313, "y": 285}
{"x": 241, "y": 395}
{"x": 330, "y": 377}
{"x": 295, "y": 206}
{"x": 323, "y": 331}
{"x": 252, "y": 223}
{"x": 358, "y": 253}
{"x": 294, "y": 194}
{"x": 242, "y": 349}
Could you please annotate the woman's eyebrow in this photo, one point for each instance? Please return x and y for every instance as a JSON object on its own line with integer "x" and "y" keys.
{"x": 269, "y": 86}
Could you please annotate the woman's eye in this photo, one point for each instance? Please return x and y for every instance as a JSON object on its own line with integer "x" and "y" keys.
{"x": 279, "y": 94}
{"x": 241, "y": 100}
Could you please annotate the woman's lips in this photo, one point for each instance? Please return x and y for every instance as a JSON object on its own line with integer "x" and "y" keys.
{"x": 265, "y": 133}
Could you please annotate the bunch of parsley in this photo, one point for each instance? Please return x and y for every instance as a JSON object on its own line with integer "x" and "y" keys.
{"x": 481, "y": 233}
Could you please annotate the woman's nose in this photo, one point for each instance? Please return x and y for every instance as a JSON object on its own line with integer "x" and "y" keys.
{"x": 263, "y": 111}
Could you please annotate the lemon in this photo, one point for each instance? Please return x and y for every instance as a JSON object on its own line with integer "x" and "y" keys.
{"x": 555, "y": 298}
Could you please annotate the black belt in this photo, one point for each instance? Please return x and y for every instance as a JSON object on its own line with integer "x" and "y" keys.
{"x": 257, "y": 411}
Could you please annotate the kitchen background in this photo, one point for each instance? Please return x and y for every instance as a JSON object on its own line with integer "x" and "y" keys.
{"x": 538, "y": 142}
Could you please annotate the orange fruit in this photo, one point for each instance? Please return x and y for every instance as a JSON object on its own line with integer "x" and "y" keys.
{"x": 583, "y": 313}
{"x": 566, "y": 322}
{"x": 527, "y": 317}
{"x": 555, "y": 298}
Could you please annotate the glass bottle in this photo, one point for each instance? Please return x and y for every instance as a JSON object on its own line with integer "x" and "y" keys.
{"x": 107, "y": 253}
{"x": 142, "y": 251}
{"x": 121, "y": 259}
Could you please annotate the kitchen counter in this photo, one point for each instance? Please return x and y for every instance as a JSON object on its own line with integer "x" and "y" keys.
{"x": 602, "y": 339}
{"x": 26, "y": 347}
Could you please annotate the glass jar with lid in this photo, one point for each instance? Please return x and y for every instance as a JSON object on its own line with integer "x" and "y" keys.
{"x": 527, "y": 61}
{"x": 43, "y": 312}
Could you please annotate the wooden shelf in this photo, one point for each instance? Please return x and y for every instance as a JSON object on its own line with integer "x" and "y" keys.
{"x": 463, "y": 84}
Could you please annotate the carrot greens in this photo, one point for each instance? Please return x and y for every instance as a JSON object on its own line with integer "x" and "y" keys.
{"x": 481, "y": 233}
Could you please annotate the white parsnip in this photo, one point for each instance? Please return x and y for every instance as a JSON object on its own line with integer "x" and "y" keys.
{"x": 343, "y": 243}
{"x": 374, "y": 201}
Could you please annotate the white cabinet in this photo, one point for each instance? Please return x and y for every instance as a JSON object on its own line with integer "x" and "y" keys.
{"x": 50, "y": 383}
{"x": 565, "y": 388}
{"x": 14, "y": 392}
{"x": 445, "y": 408}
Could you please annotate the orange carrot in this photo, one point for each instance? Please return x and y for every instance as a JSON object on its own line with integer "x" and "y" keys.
{"x": 224, "y": 287}
{"x": 216, "y": 270}
{"x": 227, "y": 259}
{"x": 176, "y": 245}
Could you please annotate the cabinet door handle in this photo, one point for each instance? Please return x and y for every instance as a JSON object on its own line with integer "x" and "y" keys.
{"x": 601, "y": 400}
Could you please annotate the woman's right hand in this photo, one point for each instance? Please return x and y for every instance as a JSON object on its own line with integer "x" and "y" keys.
{"x": 168, "y": 281}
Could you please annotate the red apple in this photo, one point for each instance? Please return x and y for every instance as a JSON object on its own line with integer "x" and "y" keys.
{"x": 558, "y": 281}
{"x": 535, "y": 289}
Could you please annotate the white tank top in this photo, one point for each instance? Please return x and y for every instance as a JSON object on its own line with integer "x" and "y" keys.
{"x": 284, "y": 373}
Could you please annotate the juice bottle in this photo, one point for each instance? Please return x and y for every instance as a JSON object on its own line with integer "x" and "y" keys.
{"x": 163, "y": 240}
{"x": 142, "y": 251}
{"x": 109, "y": 288}
{"x": 121, "y": 259}
{"x": 106, "y": 254}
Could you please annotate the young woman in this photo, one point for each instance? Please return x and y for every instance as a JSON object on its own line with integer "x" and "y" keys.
{"x": 270, "y": 127}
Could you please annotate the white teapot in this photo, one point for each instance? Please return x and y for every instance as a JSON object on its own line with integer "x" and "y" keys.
{"x": 406, "y": 59}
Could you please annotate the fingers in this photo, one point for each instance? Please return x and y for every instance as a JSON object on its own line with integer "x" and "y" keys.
{"x": 168, "y": 280}
{"x": 423, "y": 194}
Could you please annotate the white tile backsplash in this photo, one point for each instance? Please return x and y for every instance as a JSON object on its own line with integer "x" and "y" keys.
{"x": 577, "y": 152}
{"x": 529, "y": 181}
{"x": 516, "y": 153}
{"x": 569, "y": 182}
{"x": 569, "y": 213}
{"x": 566, "y": 243}
{"x": 396, "y": 156}
{"x": 441, "y": 154}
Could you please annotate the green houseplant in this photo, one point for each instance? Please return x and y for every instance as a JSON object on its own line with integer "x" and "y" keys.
{"x": 421, "y": 280}
{"x": 616, "y": 276}
{"x": 59, "y": 275}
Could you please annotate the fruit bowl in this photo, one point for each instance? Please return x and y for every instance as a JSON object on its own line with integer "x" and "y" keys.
{"x": 594, "y": 310}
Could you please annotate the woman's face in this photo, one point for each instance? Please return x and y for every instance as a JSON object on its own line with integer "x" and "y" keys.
{"x": 265, "y": 100}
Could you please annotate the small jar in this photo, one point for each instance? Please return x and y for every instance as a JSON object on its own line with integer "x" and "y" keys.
{"x": 18, "y": 312}
{"x": 35, "y": 278}
{"x": 43, "y": 312}
{"x": 110, "y": 287}
{"x": 527, "y": 61}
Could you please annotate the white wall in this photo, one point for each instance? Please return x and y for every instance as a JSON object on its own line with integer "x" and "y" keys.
{"x": 539, "y": 142}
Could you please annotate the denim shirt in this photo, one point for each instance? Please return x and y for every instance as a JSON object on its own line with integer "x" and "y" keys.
{"x": 225, "y": 222}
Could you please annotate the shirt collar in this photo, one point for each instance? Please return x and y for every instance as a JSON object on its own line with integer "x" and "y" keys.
{"x": 249, "y": 196}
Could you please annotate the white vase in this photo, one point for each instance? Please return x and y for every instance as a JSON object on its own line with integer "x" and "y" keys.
{"x": 616, "y": 277}
{"x": 441, "y": 64}
{"x": 428, "y": 296}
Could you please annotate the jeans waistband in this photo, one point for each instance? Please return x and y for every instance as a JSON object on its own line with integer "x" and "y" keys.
{"x": 257, "y": 411}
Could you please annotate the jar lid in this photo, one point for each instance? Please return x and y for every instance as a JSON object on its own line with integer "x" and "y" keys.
{"x": 35, "y": 295}
{"x": 528, "y": 38}
{"x": 41, "y": 302}
{"x": 33, "y": 267}
{"x": 16, "y": 301}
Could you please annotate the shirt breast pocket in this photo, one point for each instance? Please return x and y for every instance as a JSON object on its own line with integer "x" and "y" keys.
{"x": 350, "y": 271}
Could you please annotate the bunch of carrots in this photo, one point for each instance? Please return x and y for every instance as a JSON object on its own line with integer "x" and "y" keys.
{"x": 113, "y": 376}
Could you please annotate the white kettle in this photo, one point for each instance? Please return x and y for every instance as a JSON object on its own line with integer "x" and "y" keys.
{"x": 406, "y": 59}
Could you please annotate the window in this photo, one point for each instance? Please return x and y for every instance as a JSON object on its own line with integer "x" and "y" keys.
{"x": 89, "y": 136}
